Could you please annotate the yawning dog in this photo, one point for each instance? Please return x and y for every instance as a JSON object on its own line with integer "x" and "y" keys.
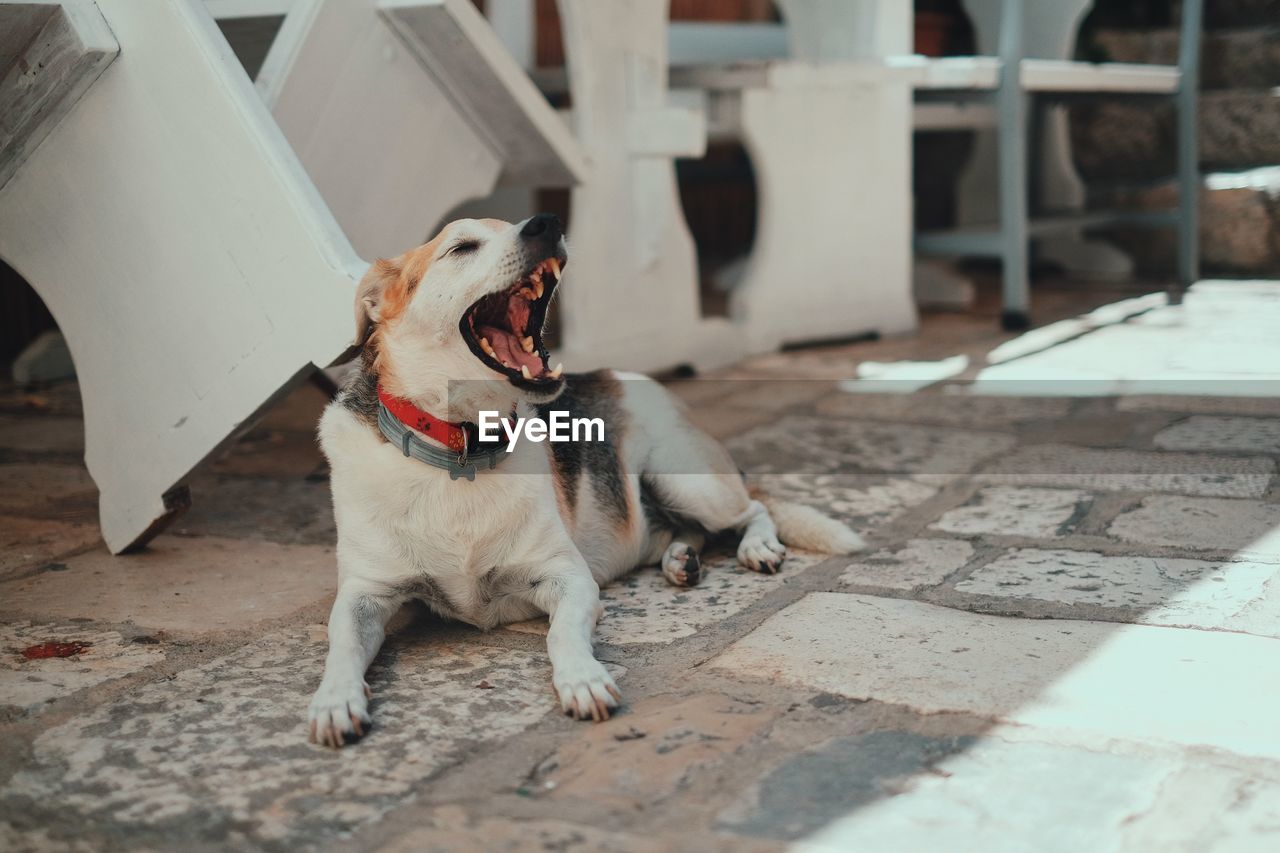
{"x": 490, "y": 534}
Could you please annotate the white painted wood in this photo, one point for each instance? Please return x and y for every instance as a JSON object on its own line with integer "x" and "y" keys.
{"x": 1042, "y": 75}
{"x": 401, "y": 114}
{"x": 285, "y": 49}
{"x": 830, "y": 140}
{"x": 465, "y": 57}
{"x": 832, "y": 255}
{"x": 630, "y": 296}
{"x": 837, "y": 30}
{"x": 50, "y": 54}
{"x": 515, "y": 24}
{"x": 670, "y": 131}
{"x": 226, "y": 9}
{"x": 1050, "y": 34}
{"x": 184, "y": 253}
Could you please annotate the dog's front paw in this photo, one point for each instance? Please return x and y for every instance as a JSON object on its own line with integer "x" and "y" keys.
{"x": 761, "y": 553}
{"x": 340, "y": 713}
{"x": 586, "y": 690}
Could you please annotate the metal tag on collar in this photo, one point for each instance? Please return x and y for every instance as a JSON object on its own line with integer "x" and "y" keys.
{"x": 461, "y": 466}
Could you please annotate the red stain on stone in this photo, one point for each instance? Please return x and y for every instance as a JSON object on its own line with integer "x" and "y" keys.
{"x": 54, "y": 650}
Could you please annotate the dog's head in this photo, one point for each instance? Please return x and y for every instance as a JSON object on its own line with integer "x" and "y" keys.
{"x": 469, "y": 305}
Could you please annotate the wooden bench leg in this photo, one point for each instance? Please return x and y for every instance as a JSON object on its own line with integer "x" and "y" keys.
{"x": 184, "y": 253}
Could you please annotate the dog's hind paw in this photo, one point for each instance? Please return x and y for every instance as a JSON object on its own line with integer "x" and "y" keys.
{"x": 761, "y": 553}
{"x": 680, "y": 565}
{"x": 339, "y": 714}
{"x": 586, "y": 690}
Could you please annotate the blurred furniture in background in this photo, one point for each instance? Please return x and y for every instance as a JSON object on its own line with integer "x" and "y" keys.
{"x": 1010, "y": 82}
{"x": 829, "y": 132}
{"x": 401, "y": 110}
{"x": 172, "y": 233}
{"x": 631, "y": 295}
{"x": 1049, "y": 32}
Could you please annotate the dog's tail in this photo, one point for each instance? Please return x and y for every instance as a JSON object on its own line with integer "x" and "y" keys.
{"x": 805, "y": 527}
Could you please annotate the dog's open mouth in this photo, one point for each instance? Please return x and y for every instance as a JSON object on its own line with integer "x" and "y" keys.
{"x": 504, "y": 329}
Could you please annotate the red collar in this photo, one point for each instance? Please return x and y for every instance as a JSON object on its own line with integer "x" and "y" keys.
{"x": 449, "y": 434}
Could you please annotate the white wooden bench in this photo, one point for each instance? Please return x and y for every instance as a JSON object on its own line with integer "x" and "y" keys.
{"x": 184, "y": 253}
{"x": 631, "y": 291}
{"x": 829, "y": 133}
{"x": 401, "y": 110}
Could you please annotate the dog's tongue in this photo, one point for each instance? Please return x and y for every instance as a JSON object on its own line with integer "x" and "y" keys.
{"x": 507, "y": 348}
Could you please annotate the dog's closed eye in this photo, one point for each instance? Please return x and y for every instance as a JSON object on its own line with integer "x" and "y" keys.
{"x": 463, "y": 247}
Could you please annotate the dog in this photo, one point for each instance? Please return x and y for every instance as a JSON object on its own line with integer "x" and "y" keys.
{"x": 496, "y": 533}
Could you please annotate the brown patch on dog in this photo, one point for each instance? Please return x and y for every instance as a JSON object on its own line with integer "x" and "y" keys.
{"x": 596, "y": 465}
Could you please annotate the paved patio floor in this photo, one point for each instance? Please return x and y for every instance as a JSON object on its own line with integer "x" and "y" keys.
{"x": 1064, "y": 636}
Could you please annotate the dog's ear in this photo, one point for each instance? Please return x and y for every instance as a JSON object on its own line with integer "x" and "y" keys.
{"x": 381, "y": 275}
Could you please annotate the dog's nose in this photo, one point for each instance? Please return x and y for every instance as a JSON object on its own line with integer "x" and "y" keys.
{"x": 545, "y": 227}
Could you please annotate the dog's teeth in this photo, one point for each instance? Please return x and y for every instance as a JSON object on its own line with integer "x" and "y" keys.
{"x": 524, "y": 371}
{"x": 487, "y": 347}
{"x": 554, "y": 265}
{"x": 555, "y": 374}
{"x": 507, "y": 365}
{"x": 537, "y": 288}
{"x": 527, "y": 344}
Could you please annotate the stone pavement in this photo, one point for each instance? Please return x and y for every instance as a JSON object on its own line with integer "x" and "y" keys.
{"x": 1064, "y": 636}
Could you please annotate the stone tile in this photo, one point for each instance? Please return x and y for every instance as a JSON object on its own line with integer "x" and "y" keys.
{"x": 1268, "y": 406}
{"x": 959, "y": 410}
{"x": 721, "y": 421}
{"x": 39, "y": 839}
{"x": 59, "y": 398}
{"x": 809, "y": 790}
{"x": 648, "y": 754}
{"x": 1015, "y": 511}
{"x": 1251, "y": 529}
{"x": 1136, "y": 682}
{"x": 699, "y": 391}
{"x": 48, "y": 491}
{"x": 449, "y": 831}
{"x": 298, "y": 412}
{"x": 644, "y": 608}
{"x": 921, "y": 563}
{"x": 864, "y": 502}
{"x": 1235, "y": 596}
{"x": 289, "y": 511}
{"x": 1212, "y": 803}
{"x": 30, "y": 542}
{"x": 1221, "y": 341}
{"x": 273, "y": 454}
{"x": 217, "y": 756}
{"x": 1127, "y": 470}
{"x": 179, "y": 585}
{"x": 803, "y": 444}
{"x": 39, "y": 663}
{"x": 1016, "y": 794}
{"x": 42, "y": 434}
{"x": 1206, "y": 432}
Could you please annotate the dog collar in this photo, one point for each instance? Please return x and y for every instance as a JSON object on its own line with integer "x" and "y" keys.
{"x": 397, "y": 418}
